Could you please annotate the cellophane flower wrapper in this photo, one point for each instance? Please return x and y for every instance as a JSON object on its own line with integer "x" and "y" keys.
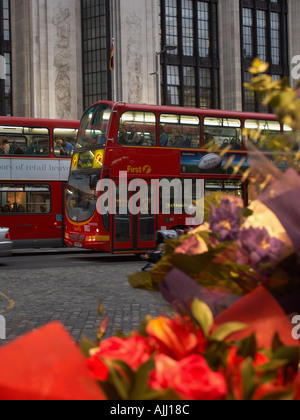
{"x": 283, "y": 199}
{"x": 239, "y": 250}
{"x": 180, "y": 290}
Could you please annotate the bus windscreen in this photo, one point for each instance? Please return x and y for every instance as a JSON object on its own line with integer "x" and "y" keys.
{"x": 93, "y": 128}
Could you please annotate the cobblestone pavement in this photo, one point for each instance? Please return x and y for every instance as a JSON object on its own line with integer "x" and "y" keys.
{"x": 70, "y": 293}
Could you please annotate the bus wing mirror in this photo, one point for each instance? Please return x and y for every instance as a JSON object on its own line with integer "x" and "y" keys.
{"x": 94, "y": 179}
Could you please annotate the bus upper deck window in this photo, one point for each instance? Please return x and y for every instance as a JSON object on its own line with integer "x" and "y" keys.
{"x": 179, "y": 131}
{"x": 223, "y": 132}
{"x": 137, "y": 128}
{"x": 28, "y": 141}
{"x": 64, "y": 140}
{"x": 265, "y": 128}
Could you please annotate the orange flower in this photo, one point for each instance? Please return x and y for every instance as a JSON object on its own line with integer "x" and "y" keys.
{"x": 176, "y": 338}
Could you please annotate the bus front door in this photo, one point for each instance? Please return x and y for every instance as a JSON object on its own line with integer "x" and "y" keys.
{"x": 135, "y": 232}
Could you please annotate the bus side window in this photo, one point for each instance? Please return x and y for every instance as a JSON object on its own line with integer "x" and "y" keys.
{"x": 64, "y": 141}
{"x": 137, "y": 128}
{"x": 13, "y": 145}
{"x": 179, "y": 131}
{"x": 25, "y": 198}
{"x": 266, "y": 128}
{"x": 222, "y": 132}
{"x": 28, "y": 141}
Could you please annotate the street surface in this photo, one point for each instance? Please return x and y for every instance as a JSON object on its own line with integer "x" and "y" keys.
{"x": 68, "y": 287}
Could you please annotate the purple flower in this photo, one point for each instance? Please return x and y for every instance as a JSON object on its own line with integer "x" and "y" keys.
{"x": 256, "y": 247}
{"x": 226, "y": 220}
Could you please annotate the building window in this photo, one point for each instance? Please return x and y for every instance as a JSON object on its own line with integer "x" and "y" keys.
{"x": 191, "y": 72}
{"x": 5, "y": 59}
{"x": 203, "y": 29}
{"x": 189, "y": 86}
{"x": 96, "y": 51}
{"x": 264, "y": 35}
{"x": 173, "y": 81}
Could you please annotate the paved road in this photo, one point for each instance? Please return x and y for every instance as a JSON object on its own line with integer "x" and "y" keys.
{"x": 68, "y": 288}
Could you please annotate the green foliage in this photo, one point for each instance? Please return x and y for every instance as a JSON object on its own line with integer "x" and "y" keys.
{"x": 285, "y": 102}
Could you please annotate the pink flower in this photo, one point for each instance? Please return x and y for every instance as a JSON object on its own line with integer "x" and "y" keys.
{"x": 192, "y": 246}
{"x": 191, "y": 378}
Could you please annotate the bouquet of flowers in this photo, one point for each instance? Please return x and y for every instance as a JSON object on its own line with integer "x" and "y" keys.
{"x": 240, "y": 248}
{"x": 194, "y": 357}
{"x": 184, "y": 356}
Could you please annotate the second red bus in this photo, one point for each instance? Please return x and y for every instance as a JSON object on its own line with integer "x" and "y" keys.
{"x": 35, "y": 159}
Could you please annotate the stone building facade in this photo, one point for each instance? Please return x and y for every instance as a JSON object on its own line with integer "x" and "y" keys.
{"x": 46, "y": 58}
{"x": 60, "y": 51}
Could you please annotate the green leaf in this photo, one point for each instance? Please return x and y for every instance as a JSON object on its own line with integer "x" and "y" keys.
{"x": 290, "y": 354}
{"x": 86, "y": 345}
{"x": 120, "y": 376}
{"x": 169, "y": 395}
{"x": 143, "y": 326}
{"x": 277, "y": 343}
{"x": 216, "y": 354}
{"x": 140, "y": 390}
{"x": 142, "y": 280}
{"x": 203, "y": 316}
{"x": 110, "y": 391}
{"x": 248, "y": 378}
{"x": 227, "y": 329}
{"x": 248, "y": 212}
{"x": 287, "y": 395}
{"x": 248, "y": 347}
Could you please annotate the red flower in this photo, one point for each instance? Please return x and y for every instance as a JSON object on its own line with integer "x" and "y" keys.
{"x": 134, "y": 351}
{"x": 284, "y": 382}
{"x": 233, "y": 371}
{"x": 267, "y": 389}
{"x": 177, "y": 338}
{"x": 297, "y": 387}
{"x": 98, "y": 369}
{"x": 191, "y": 378}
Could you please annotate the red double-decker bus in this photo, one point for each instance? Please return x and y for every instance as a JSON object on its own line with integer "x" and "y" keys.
{"x": 35, "y": 159}
{"x": 150, "y": 143}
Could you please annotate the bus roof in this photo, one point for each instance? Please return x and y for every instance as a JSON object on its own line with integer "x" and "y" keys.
{"x": 38, "y": 122}
{"x": 189, "y": 111}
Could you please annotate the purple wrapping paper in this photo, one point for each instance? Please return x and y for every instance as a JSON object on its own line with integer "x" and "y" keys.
{"x": 286, "y": 206}
{"x": 283, "y": 199}
{"x": 180, "y": 290}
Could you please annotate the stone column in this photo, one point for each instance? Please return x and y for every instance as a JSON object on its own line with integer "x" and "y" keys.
{"x": 230, "y": 55}
{"x": 135, "y": 28}
{"x": 21, "y": 58}
{"x": 47, "y": 75}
